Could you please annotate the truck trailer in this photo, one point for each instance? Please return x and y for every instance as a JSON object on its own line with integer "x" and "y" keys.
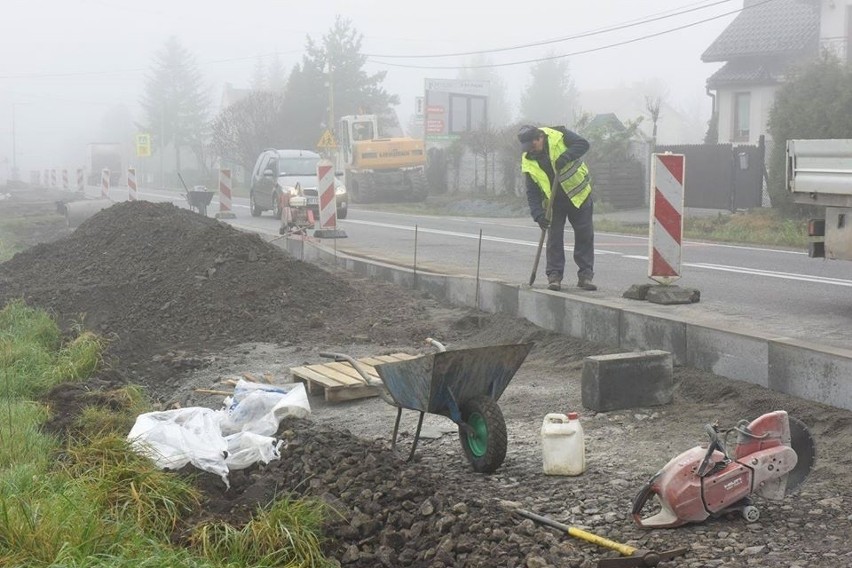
{"x": 819, "y": 173}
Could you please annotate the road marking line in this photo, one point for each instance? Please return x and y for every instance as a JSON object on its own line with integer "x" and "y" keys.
{"x": 772, "y": 274}
{"x": 463, "y": 235}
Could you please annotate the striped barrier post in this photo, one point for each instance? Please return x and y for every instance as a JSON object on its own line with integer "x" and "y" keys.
{"x": 53, "y": 177}
{"x": 81, "y": 180}
{"x": 105, "y": 183}
{"x": 65, "y": 179}
{"x": 131, "y": 184}
{"x": 327, "y": 203}
{"x": 225, "y": 195}
{"x": 666, "y": 223}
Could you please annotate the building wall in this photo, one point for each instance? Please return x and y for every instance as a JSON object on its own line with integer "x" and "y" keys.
{"x": 834, "y": 26}
{"x": 761, "y": 100}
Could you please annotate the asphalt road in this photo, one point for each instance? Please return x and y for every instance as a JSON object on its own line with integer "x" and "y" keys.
{"x": 769, "y": 291}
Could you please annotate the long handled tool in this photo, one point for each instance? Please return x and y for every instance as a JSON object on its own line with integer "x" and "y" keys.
{"x": 631, "y": 557}
{"x": 547, "y": 215}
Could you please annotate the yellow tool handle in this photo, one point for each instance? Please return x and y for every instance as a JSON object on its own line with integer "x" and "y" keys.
{"x": 622, "y": 549}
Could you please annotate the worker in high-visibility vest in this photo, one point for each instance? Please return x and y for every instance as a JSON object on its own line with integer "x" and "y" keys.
{"x": 549, "y": 151}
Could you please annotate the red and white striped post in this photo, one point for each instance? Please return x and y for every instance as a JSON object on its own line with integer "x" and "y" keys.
{"x": 225, "y": 195}
{"x": 105, "y": 183}
{"x": 666, "y": 224}
{"x": 327, "y": 203}
{"x": 131, "y": 184}
{"x": 65, "y": 179}
{"x": 53, "y": 177}
{"x": 81, "y": 180}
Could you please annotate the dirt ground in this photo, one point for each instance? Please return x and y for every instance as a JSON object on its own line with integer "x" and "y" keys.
{"x": 188, "y": 302}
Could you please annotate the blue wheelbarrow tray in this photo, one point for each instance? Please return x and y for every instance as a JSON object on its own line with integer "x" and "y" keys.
{"x": 441, "y": 383}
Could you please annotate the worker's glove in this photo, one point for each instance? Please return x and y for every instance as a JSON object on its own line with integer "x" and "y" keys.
{"x": 562, "y": 161}
{"x": 542, "y": 222}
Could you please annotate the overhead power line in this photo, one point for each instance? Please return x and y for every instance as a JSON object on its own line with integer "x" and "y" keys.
{"x": 625, "y": 25}
{"x": 579, "y": 52}
{"x": 135, "y": 70}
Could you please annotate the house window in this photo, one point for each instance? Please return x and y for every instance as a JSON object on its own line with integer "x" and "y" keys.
{"x": 742, "y": 115}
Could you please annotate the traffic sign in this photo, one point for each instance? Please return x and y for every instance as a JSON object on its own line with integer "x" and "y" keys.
{"x": 327, "y": 141}
{"x": 143, "y": 145}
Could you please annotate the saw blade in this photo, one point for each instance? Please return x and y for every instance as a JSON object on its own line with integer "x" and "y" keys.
{"x": 803, "y": 444}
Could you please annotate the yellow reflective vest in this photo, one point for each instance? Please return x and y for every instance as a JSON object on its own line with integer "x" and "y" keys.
{"x": 573, "y": 178}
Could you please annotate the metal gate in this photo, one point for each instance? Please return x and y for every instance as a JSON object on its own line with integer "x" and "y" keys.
{"x": 722, "y": 176}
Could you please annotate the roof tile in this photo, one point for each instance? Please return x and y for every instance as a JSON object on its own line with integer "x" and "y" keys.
{"x": 769, "y": 27}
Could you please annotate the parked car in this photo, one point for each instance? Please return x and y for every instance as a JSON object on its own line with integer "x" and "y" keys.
{"x": 294, "y": 171}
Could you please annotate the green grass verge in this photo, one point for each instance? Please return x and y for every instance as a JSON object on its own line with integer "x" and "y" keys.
{"x": 758, "y": 227}
{"x": 91, "y": 501}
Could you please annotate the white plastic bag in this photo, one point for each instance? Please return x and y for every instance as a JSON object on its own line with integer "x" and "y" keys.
{"x": 259, "y": 408}
{"x": 218, "y": 441}
{"x": 247, "y": 448}
{"x": 174, "y": 438}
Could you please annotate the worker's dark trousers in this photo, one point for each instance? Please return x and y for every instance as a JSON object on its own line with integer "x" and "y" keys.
{"x": 584, "y": 237}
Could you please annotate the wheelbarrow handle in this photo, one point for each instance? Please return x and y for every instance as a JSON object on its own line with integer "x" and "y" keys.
{"x": 341, "y": 357}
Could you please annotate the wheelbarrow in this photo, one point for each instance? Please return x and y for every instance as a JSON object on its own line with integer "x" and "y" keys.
{"x": 198, "y": 198}
{"x": 462, "y": 384}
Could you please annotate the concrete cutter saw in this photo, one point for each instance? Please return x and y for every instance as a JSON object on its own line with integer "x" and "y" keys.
{"x": 773, "y": 456}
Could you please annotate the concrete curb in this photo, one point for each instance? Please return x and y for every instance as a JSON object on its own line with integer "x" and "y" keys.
{"x": 807, "y": 370}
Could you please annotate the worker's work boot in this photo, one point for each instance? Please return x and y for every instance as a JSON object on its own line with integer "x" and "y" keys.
{"x": 585, "y": 283}
{"x": 554, "y": 282}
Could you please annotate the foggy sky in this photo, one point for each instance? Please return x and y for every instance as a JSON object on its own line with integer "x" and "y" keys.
{"x": 65, "y": 63}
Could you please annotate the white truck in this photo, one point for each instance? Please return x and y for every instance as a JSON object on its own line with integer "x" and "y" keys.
{"x": 819, "y": 172}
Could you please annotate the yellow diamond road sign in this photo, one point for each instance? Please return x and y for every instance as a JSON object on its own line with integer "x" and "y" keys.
{"x": 143, "y": 145}
{"x": 327, "y": 140}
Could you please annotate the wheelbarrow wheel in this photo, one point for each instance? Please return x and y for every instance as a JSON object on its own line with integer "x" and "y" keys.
{"x": 483, "y": 434}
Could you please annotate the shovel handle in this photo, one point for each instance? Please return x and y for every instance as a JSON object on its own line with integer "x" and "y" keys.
{"x": 538, "y": 255}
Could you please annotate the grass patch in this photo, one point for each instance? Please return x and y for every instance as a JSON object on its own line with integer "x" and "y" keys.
{"x": 758, "y": 227}
{"x": 94, "y": 502}
{"x": 15, "y": 231}
{"x": 284, "y": 534}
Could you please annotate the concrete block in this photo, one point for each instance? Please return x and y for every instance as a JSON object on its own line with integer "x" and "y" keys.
{"x": 811, "y": 371}
{"x": 641, "y": 331}
{"x": 627, "y": 380}
{"x": 727, "y": 353}
{"x": 498, "y": 297}
{"x": 669, "y": 295}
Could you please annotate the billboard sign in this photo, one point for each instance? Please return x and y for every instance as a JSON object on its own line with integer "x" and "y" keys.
{"x": 454, "y": 106}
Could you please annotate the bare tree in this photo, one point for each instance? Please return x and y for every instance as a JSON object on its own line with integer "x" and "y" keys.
{"x": 653, "y": 106}
{"x": 481, "y": 143}
{"x": 243, "y": 130}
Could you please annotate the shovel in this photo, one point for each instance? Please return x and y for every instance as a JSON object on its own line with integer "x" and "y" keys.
{"x": 548, "y": 214}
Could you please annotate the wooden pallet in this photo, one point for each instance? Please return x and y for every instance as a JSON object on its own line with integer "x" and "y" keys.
{"x": 340, "y": 381}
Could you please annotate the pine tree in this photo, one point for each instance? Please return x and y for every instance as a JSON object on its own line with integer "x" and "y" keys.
{"x": 551, "y": 97}
{"x": 175, "y": 102}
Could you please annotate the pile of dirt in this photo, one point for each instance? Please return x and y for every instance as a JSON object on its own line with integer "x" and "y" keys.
{"x": 166, "y": 285}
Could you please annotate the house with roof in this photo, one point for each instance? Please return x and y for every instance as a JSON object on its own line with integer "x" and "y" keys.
{"x": 835, "y": 30}
{"x": 757, "y": 49}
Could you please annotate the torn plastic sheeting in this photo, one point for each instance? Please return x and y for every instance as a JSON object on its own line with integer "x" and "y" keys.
{"x": 259, "y": 408}
{"x": 218, "y": 441}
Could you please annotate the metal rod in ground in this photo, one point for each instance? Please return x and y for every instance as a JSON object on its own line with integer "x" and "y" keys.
{"x": 478, "y": 261}
{"x": 415, "y": 257}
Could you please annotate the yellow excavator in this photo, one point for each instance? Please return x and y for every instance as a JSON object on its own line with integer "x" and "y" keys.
{"x": 377, "y": 166}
